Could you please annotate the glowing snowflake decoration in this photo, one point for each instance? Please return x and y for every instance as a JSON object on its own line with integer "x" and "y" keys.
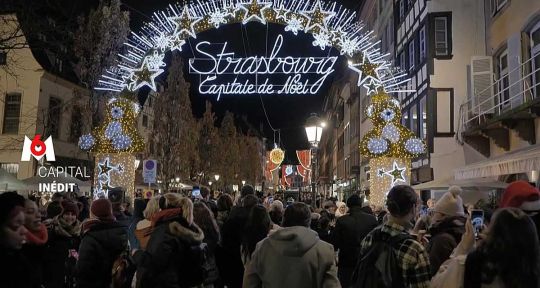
{"x": 121, "y": 142}
{"x": 161, "y": 42}
{"x": 388, "y": 114}
{"x": 294, "y": 24}
{"x": 377, "y": 145}
{"x": 415, "y": 146}
{"x": 155, "y": 61}
{"x": 86, "y": 142}
{"x": 348, "y": 46}
{"x": 322, "y": 39}
{"x": 396, "y": 103}
{"x": 117, "y": 112}
{"x": 114, "y": 128}
{"x": 217, "y": 18}
{"x": 391, "y": 132}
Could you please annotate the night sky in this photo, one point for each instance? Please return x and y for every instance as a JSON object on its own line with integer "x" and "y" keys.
{"x": 285, "y": 112}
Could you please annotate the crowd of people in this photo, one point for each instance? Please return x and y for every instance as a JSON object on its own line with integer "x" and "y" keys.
{"x": 175, "y": 241}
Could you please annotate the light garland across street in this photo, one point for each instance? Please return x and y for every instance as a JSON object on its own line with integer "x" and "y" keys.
{"x": 330, "y": 24}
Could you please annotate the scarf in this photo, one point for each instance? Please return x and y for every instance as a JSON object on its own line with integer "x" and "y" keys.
{"x": 166, "y": 214}
{"x": 62, "y": 228}
{"x": 39, "y": 237}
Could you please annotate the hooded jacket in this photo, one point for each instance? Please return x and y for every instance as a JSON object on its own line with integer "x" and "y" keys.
{"x": 445, "y": 236}
{"x": 292, "y": 257}
{"x": 101, "y": 244}
{"x": 160, "y": 264}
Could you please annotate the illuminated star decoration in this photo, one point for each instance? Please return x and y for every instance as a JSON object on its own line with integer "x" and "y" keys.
{"x": 254, "y": 11}
{"x": 176, "y": 43}
{"x": 281, "y": 13}
{"x": 104, "y": 177}
{"x": 372, "y": 86}
{"x": 317, "y": 17}
{"x": 367, "y": 73}
{"x": 338, "y": 35}
{"x": 396, "y": 174}
{"x": 143, "y": 76}
{"x": 185, "y": 23}
{"x": 104, "y": 168}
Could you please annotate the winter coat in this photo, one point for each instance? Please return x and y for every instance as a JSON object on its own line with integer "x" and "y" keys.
{"x": 160, "y": 265}
{"x": 349, "y": 232}
{"x": 445, "y": 235}
{"x": 230, "y": 263}
{"x": 62, "y": 239}
{"x": 100, "y": 247}
{"x": 292, "y": 257}
{"x": 34, "y": 250}
{"x": 16, "y": 270}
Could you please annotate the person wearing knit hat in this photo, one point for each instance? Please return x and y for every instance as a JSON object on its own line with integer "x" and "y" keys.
{"x": 64, "y": 239}
{"x": 101, "y": 209}
{"x": 102, "y": 235}
{"x": 520, "y": 194}
{"x": 448, "y": 225}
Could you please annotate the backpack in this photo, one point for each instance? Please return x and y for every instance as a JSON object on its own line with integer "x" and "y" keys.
{"x": 197, "y": 267}
{"x": 378, "y": 267}
{"x": 123, "y": 270}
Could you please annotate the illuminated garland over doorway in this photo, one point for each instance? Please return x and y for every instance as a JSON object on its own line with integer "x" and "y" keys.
{"x": 330, "y": 24}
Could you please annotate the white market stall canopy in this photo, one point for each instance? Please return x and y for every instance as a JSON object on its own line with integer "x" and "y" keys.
{"x": 8, "y": 182}
{"x": 519, "y": 161}
{"x": 467, "y": 184}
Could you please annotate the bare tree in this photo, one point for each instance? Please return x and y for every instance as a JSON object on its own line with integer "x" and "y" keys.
{"x": 209, "y": 144}
{"x": 175, "y": 133}
{"x": 100, "y": 37}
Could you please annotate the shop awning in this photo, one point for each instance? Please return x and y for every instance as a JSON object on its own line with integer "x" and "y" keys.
{"x": 518, "y": 161}
{"x": 465, "y": 184}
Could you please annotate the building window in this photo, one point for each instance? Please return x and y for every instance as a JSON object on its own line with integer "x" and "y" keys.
{"x": 12, "y": 113}
{"x": 55, "y": 109}
{"x": 381, "y": 6}
{"x": 390, "y": 32}
{"x": 403, "y": 60}
{"x": 422, "y": 44}
{"x": 76, "y": 124}
{"x": 411, "y": 55}
{"x": 402, "y": 10}
{"x": 150, "y": 102}
{"x": 503, "y": 84}
{"x": 11, "y": 168}
{"x": 414, "y": 119}
{"x": 443, "y": 35}
{"x": 145, "y": 121}
{"x": 535, "y": 55}
{"x": 423, "y": 118}
{"x": 497, "y": 5}
{"x": 3, "y": 57}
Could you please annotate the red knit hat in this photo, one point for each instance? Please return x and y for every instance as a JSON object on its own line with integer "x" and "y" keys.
{"x": 70, "y": 206}
{"x": 102, "y": 209}
{"x": 521, "y": 194}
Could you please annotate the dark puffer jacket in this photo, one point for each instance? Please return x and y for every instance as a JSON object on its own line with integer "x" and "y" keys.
{"x": 445, "y": 235}
{"x": 160, "y": 265}
{"x": 100, "y": 247}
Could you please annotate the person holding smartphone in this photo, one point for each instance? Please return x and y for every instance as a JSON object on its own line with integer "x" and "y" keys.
{"x": 448, "y": 225}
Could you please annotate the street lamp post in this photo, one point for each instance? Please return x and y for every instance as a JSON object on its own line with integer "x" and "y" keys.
{"x": 216, "y": 177}
{"x": 314, "y": 128}
{"x": 243, "y": 182}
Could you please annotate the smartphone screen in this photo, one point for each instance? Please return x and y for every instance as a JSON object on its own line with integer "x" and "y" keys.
{"x": 196, "y": 192}
{"x": 270, "y": 199}
{"x": 477, "y": 219}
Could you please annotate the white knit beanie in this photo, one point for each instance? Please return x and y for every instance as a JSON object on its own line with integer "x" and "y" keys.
{"x": 450, "y": 203}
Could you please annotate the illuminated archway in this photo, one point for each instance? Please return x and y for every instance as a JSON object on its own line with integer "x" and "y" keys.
{"x": 330, "y": 24}
{"x": 390, "y": 146}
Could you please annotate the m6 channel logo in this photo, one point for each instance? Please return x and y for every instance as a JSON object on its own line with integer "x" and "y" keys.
{"x": 38, "y": 149}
